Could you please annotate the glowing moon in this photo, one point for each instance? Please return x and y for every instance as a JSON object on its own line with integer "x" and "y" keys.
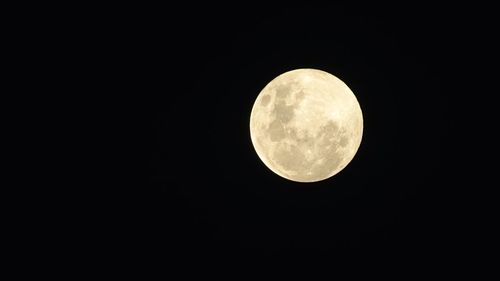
{"x": 306, "y": 125}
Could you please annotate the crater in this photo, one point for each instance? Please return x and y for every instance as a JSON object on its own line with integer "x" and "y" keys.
{"x": 265, "y": 100}
{"x": 330, "y": 129}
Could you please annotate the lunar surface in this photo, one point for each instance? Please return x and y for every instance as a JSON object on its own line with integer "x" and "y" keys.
{"x": 306, "y": 125}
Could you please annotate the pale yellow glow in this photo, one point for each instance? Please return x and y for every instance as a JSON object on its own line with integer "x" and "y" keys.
{"x": 306, "y": 125}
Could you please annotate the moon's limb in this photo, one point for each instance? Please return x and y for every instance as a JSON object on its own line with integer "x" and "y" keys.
{"x": 306, "y": 125}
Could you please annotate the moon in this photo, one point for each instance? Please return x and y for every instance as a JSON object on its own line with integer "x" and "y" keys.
{"x": 306, "y": 125}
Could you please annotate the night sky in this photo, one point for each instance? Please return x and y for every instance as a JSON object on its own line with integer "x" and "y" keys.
{"x": 205, "y": 191}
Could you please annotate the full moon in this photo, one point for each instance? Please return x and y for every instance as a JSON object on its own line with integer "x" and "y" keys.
{"x": 306, "y": 125}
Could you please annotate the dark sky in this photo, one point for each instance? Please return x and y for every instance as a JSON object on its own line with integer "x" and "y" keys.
{"x": 205, "y": 191}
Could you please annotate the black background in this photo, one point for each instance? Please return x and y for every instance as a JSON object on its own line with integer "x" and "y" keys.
{"x": 202, "y": 190}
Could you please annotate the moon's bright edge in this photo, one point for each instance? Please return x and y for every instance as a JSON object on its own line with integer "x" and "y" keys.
{"x": 306, "y": 125}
